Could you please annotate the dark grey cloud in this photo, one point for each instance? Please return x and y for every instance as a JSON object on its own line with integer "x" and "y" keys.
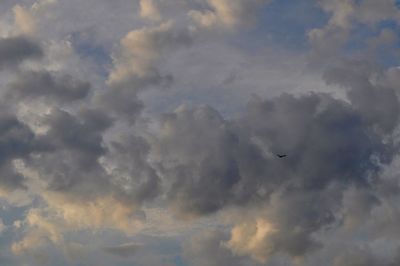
{"x": 212, "y": 162}
{"x": 205, "y": 164}
{"x": 14, "y": 50}
{"x": 132, "y": 174}
{"x": 74, "y": 145}
{"x": 377, "y": 103}
{"x": 52, "y": 86}
{"x": 123, "y": 99}
{"x": 76, "y": 160}
{"x": 363, "y": 256}
{"x": 125, "y": 251}
{"x": 357, "y": 206}
{"x": 298, "y": 214}
{"x": 17, "y": 141}
{"x": 326, "y": 139}
{"x": 209, "y": 163}
{"x": 81, "y": 132}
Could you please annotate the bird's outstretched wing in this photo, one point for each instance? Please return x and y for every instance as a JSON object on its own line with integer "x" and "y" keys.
{"x": 281, "y": 155}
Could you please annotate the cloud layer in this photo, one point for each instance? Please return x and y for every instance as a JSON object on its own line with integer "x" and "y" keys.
{"x": 148, "y": 131}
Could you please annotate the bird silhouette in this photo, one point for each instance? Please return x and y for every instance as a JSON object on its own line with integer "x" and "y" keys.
{"x": 281, "y": 155}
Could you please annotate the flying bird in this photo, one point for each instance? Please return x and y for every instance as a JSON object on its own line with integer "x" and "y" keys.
{"x": 281, "y": 155}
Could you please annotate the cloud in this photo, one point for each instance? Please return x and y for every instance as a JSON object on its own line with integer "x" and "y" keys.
{"x": 343, "y": 13}
{"x": 16, "y": 141}
{"x": 135, "y": 66}
{"x": 210, "y": 164}
{"x": 386, "y": 38}
{"x": 131, "y": 171}
{"x": 31, "y": 85}
{"x": 26, "y": 20}
{"x": 14, "y": 50}
{"x": 250, "y": 237}
{"x": 369, "y": 12}
{"x": 104, "y": 212}
{"x": 191, "y": 177}
{"x": 142, "y": 48}
{"x": 363, "y": 256}
{"x": 203, "y": 170}
{"x": 2, "y": 227}
{"x": 208, "y": 249}
{"x": 125, "y": 250}
{"x": 330, "y": 40}
{"x": 149, "y": 9}
{"x": 78, "y": 140}
{"x": 29, "y": 244}
{"x": 377, "y": 103}
{"x": 236, "y": 162}
{"x": 229, "y": 14}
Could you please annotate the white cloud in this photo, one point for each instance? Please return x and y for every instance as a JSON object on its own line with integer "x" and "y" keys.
{"x": 140, "y": 50}
{"x": 26, "y": 18}
{"x": 227, "y": 13}
{"x": 249, "y": 238}
{"x": 150, "y": 10}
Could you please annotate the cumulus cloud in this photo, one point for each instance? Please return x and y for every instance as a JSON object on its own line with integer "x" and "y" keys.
{"x": 14, "y": 50}
{"x": 149, "y": 9}
{"x": 97, "y": 162}
{"x": 366, "y": 94}
{"x": 207, "y": 169}
{"x": 230, "y": 14}
{"x": 249, "y": 238}
{"x": 140, "y": 49}
{"x": 17, "y": 141}
{"x": 31, "y": 85}
{"x": 79, "y": 142}
{"x": 329, "y": 40}
{"x": 26, "y": 19}
{"x": 94, "y": 214}
{"x": 207, "y": 248}
{"x": 210, "y": 164}
{"x": 135, "y": 66}
{"x": 229, "y": 157}
{"x": 132, "y": 172}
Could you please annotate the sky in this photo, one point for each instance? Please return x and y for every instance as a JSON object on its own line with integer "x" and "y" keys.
{"x": 146, "y": 132}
